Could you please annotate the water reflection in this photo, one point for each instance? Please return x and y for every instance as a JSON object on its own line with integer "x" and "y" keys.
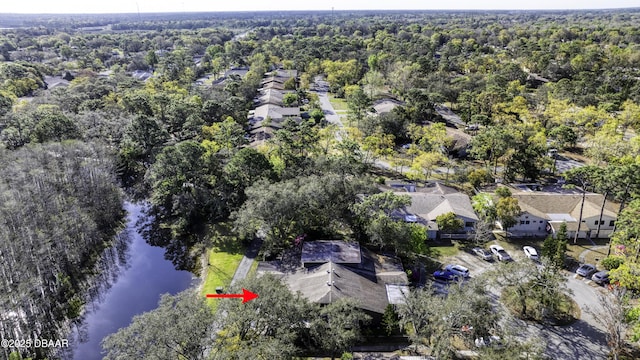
{"x": 135, "y": 275}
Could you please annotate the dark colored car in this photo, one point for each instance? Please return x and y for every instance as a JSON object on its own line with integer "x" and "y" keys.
{"x": 601, "y": 277}
{"x": 445, "y": 275}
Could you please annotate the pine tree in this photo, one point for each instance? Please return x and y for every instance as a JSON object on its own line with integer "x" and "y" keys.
{"x": 561, "y": 245}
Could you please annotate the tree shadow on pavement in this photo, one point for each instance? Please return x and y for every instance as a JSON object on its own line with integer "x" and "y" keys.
{"x": 580, "y": 340}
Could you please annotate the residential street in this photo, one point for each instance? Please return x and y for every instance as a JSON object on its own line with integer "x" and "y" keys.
{"x": 329, "y": 112}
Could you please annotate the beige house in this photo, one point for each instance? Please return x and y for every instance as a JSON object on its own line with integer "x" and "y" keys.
{"x": 543, "y": 213}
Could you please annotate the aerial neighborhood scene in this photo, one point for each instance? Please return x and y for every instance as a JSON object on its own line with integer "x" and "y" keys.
{"x": 205, "y": 181}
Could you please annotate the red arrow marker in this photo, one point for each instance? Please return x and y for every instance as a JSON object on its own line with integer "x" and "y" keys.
{"x": 245, "y": 296}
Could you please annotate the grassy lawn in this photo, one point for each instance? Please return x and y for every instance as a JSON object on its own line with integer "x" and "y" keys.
{"x": 595, "y": 256}
{"x": 338, "y": 104}
{"x": 445, "y": 251}
{"x": 224, "y": 256}
{"x": 574, "y": 250}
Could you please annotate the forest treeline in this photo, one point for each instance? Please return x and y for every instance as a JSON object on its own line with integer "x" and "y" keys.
{"x": 59, "y": 203}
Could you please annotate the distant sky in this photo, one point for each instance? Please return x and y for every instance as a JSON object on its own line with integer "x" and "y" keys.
{"x": 131, "y": 6}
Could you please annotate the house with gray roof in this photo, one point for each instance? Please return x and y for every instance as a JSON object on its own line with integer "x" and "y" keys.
{"x": 270, "y": 113}
{"x": 53, "y": 82}
{"x": 544, "y": 212}
{"x": 334, "y": 269}
{"x": 429, "y": 203}
{"x": 271, "y": 96}
{"x": 275, "y": 112}
{"x": 384, "y": 106}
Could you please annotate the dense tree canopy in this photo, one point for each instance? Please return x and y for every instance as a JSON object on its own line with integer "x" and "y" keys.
{"x": 521, "y": 84}
{"x": 60, "y": 206}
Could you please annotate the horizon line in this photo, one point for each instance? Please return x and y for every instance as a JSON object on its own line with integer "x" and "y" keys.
{"x": 313, "y": 10}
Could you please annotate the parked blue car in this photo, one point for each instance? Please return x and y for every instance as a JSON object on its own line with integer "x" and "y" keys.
{"x": 445, "y": 275}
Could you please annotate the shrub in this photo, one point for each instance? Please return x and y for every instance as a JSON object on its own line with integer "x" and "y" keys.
{"x": 612, "y": 262}
{"x": 346, "y": 356}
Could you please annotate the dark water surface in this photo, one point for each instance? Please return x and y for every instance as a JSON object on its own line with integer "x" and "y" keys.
{"x": 140, "y": 278}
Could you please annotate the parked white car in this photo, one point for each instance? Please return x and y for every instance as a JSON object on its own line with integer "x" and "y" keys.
{"x": 531, "y": 253}
{"x": 500, "y": 253}
{"x": 459, "y": 270}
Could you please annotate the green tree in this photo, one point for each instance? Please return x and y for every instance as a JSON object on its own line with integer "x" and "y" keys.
{"x": 5, "y": 104}
{"x": 378, "y": 144}
{"x": 483, "y": 204}
{"x": 612, "y": 262}
{"x": 145, "y": 134}
{"x": 534, "y": 292}
{"x": 563, "y": 137}
{"x": 527, "y": 155}
{"x": 503, "y": 192}
{"x": 225, "y": 136}
{"x": 627, "y": 232}
{"x": 359, "y": 104}
{"x": 507, "y": 212}
{"x": 186, "y": 191}
{"x": 436, "y": 322}
{"x": 449, "y": 222}
{"x": 373, "y": 217}
{"x": 52, "y": 125}
{"x": 180, "y": 327}
{"x": 151, "y": 58}
{"x": 478, "y": 177}
{"x": 418, "y": 239}
{"x": 344, "y": 321}
{"x": 560, "y": 250}
{"x": 245, "y": 168}
{"x": 287, "y": 209}
{"x": 424, "y": 164}
{"x": 341, "y": 73}
{"x": 491, "y": 144}
{"x": 390, "y": 320}
{"x": 290, "y": 99}
{"x": 284, "y": 318}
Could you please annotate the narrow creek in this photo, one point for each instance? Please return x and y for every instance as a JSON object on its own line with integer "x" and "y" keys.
{"x": 141, "y": 275}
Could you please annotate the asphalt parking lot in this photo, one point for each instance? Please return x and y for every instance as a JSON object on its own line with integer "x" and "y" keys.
{"x": 584, "y": 339}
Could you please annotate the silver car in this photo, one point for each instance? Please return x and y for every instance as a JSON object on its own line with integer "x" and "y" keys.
{"x": 484, "y": 254}
{"x": 500, "y": 253}
{"x": 601, "y": 277}
{"x": 586, "y": 270}
{"x": 459, "y": 270}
